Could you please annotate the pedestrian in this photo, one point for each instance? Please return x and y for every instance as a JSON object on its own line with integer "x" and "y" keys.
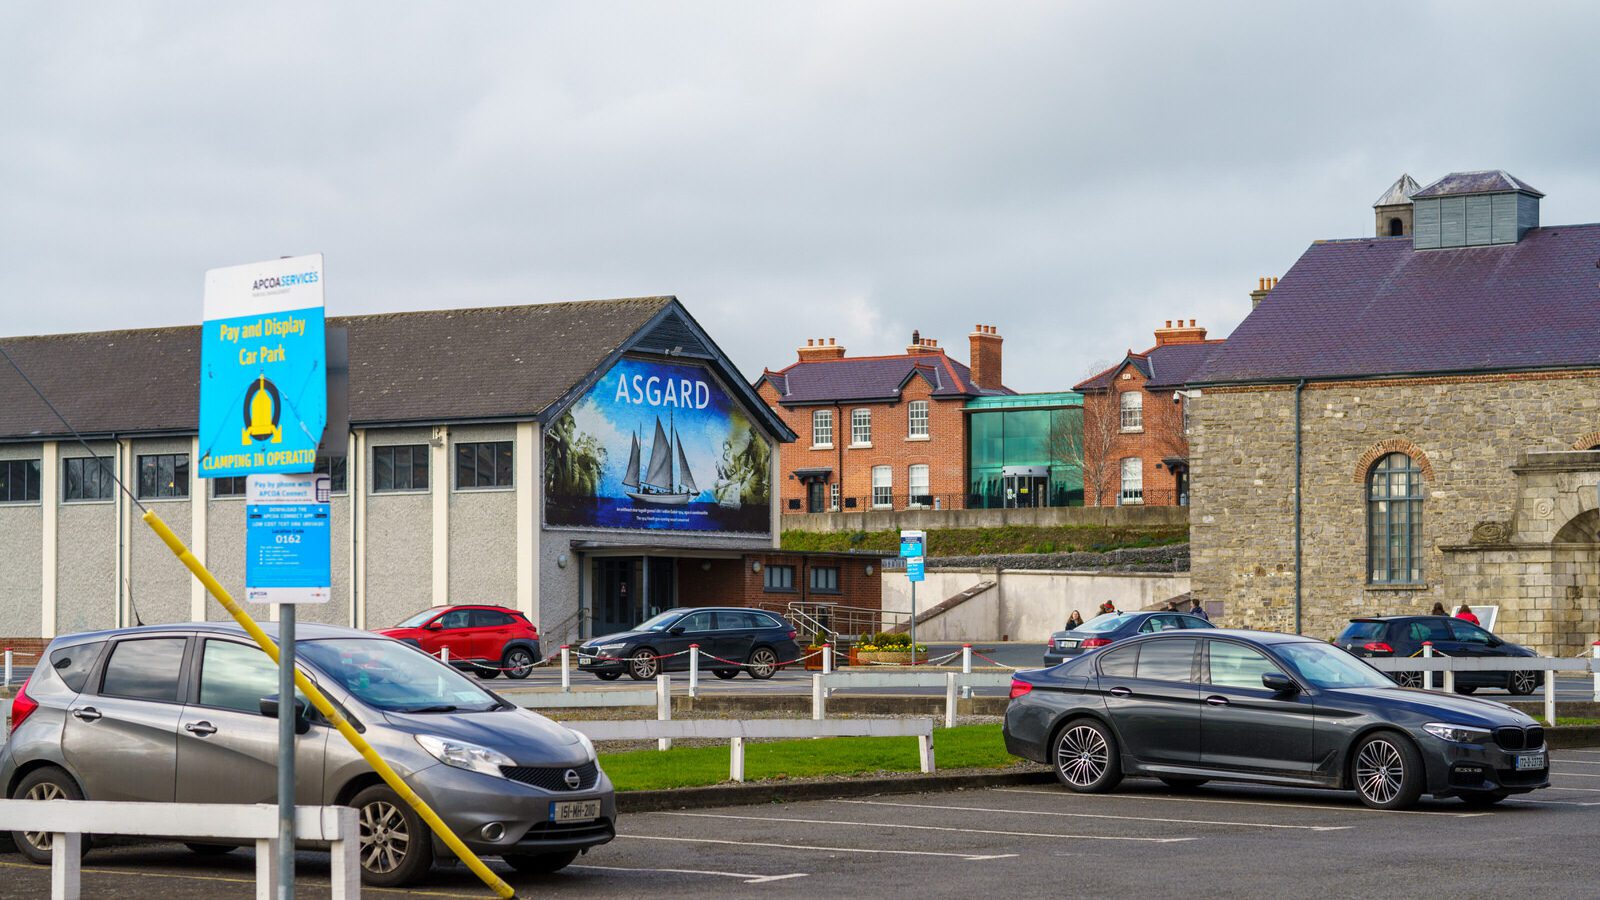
{"x": 1438, "y": 609}
{"x": 1074, "y": 620}
{"x": 1198, "y": 610}
{"x": 1108, "y": 608}
{"x": 1466, "y": 615}
{"x": 1172, "y": 606}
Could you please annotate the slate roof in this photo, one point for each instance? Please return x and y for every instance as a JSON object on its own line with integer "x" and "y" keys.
{"x": 437, "y": 366}
{"x": 1374, "y": 306}
{"x": 871, "y": 378}
{"x": 1483, "y": 181}
{"x": 1167, "y": 366}
{"x": 1399, "y": 193}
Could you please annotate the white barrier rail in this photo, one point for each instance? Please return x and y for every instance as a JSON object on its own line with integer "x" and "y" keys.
{"x": 954, "y": 684}
{"x": 736, "y": 731}
{"x": 69, "y": 821}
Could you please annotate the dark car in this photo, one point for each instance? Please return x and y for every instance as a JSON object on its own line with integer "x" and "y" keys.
{"x": 1103, "y": 631}
{"x": 1403, "y": 636}
{"x": 485, "y": 640}
{"x": 730, "y": 638}
{"x": 1268, "y": 708}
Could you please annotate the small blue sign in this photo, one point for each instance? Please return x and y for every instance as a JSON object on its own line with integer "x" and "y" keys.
{"x": 288, "y": 539}
{"x": 912, "y": 542}
{"x": 914, "y": 568}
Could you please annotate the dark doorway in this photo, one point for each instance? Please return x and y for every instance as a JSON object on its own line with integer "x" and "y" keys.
{"x": 816, "y": 496}
{"x": 662, "y": 579}
{"x": 616, "y": 594}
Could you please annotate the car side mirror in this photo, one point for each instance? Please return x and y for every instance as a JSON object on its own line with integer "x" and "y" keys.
{"x": 302, "y": 722}
{"x": 676, "y": 629}
{"x": 1279, "y": 683}
{"x": 434, "y": 626}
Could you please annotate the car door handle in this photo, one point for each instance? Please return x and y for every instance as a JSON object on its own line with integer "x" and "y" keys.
{"x": 1120, "y": 691}
{"x": 86, "y": 714}
{"x": 1217, "y": 701}
{"x": 202, "y": 728}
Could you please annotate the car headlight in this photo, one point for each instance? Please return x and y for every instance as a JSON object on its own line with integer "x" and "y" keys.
{"x": 1464, "y": 734}
{"x": 467, "y": 756}
{"x": 588, "y": 745}
{"x": 607, "y": 648}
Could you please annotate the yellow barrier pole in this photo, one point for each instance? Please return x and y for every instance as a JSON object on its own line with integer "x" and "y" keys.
{"x": 389, "y": 776}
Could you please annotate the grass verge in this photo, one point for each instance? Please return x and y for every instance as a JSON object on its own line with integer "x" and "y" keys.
{"x": 1569, "y": 720}
{"x": 1006, "y": 539}
{"x": 966, "y": 746}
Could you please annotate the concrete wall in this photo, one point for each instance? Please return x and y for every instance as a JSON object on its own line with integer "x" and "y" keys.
{"x": 483, "y": 530}
{"x": 86, "y": 554}
{"x": 159, "y": 582}
{"x": 399, "y": 538}
{"x": 1026, "y": 605}
{"x": 929, "y": 519}
{"x": 22, "y": 567}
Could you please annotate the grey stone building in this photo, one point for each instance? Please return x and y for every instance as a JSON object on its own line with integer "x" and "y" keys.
{"x": 1411, "y": 419}
{"x": 585, "y": 462}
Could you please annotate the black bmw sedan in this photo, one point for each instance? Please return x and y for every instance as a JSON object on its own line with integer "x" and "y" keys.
{"x": 1254, "y": 706}
{"x": 731, "y": 639}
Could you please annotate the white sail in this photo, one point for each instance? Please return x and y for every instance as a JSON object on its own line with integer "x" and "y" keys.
{"x": 659, "y": 475}
{"x": 631, "y": 477}
{"x": 683, "y": 465}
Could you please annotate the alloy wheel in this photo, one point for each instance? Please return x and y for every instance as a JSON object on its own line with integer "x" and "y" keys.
{"x": 644, "y": 665}
{"x": 384, "y": 839}
{"x": 1082, "y": 755}
{"x": 519, "y": 663}
{"x": 1379, "y": 771}
{"x": 1408, "y": 679}
{"x": 47, "y": 790}
{"x": 763, "y": 663}
{"x": 1523, "y": 682}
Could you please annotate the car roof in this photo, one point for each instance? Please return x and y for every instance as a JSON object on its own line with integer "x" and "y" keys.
{"x": 689, "y": 609}
{"x": 1398, "y": 618}
{"x": 1260, "y": 637}
{"x": 302, "y": 632}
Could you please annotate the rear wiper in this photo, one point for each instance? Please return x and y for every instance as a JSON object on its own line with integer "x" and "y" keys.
{"x": 441, "y": 708}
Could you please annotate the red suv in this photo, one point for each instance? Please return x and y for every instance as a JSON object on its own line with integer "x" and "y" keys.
{"x": 486, "y": 640}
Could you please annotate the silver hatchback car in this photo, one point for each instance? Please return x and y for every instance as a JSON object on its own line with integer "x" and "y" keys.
{"x": 187, "y": 713}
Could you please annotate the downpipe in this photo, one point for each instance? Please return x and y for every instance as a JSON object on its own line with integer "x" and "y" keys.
{"x": 1298, "y": 491}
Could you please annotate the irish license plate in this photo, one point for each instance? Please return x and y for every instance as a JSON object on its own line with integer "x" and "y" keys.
{"x": 1068, "y": 644}
{"x": 575, "y": 810}
{"x": 1530, "y": 761}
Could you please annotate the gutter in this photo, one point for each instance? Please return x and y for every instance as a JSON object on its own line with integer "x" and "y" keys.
{"x": 1298, "y": 453}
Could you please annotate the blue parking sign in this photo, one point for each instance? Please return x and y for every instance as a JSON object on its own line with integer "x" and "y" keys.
{"x": 288, "y": 539}
{"x": 914, "y": 568}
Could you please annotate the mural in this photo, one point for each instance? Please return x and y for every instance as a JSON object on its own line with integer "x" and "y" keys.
{"x": 660, "y": 446}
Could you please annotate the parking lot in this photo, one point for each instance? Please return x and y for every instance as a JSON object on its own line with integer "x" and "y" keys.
{"x": 1023, "y": 841}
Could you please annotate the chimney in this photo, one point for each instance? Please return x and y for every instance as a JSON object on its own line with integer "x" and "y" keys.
{"x": 1263, "y": 287}
{"x": 984, "y": 362}
{"x": 921, "y": 346}
{"x": 1179, "y": 334}
{"x": 816, "y": 349}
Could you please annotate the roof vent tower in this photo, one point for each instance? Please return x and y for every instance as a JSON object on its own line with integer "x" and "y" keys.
{"x": 1474, "y": 209}
{"x": 1393, "y": 209}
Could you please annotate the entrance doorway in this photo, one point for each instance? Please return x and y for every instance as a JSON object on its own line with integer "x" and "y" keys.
{"x": 816, "y": 496}
{"x": 630, "y": 589}
{"x": 1025, "y": 487}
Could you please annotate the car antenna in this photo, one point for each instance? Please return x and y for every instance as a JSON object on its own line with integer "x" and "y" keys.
{"x": 132, "y": 605}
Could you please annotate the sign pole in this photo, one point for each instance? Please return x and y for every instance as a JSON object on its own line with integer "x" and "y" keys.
{"x": 288, "y": 718}
{"x": 913, "y": 545}
{"x": 913, "y": 623}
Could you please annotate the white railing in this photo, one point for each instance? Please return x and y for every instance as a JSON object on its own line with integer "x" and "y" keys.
{"x": 955, "y": 684}
{"x": 68, "y": 821}
{"x": 1450, "y": 665}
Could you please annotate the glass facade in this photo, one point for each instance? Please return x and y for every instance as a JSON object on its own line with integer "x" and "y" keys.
{"x": 1021, "y": 451}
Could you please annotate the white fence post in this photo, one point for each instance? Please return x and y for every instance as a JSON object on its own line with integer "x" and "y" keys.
{"x": 949, "y": 699}
{"x": 663, "y": 707}
{"x": 1597, "y": 673}
{"x": 966, "y": 669}
{"x": 819, "y": 705}
{"x": 444, "y": 655}
{"x": 736, "y": 759}
{"x": 925, "y": 751}
{"x": 566, "y": 667}
{"x": 8, "y": 667}
{"x": 694, "y": 670}
{"x": 266, "y": 868}
{"x": 1449, "y": 681}
{"x": 66, "y": 870}
{"x": 1550, "y": 699}
{"x": 827, "y": 663}
{"x": 1427, "y": 677}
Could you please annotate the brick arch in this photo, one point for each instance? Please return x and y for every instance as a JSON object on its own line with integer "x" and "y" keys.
{"x": 1590, "y": 441}
{"x": 1384, "y": 448}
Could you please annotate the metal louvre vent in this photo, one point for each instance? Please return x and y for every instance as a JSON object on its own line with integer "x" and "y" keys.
{"x": 554, "y": 778}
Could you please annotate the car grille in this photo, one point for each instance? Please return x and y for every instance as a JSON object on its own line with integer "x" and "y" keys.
{"x": 599, "y": 831}
{"x": 553, "y": 779}
{"x": 1513, "y": 738}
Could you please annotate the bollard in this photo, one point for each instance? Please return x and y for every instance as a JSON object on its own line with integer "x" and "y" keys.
{"x": 827, "y": 663}
{"x": 1596, "y": 667}
{"x": 819, "y": 709}
{"x": 1427, "y": 677}
{"x": 663, "y": 708}
{"x": 444, "y": 655}
{"x": 8, "y": 667}
{"x": 966, "y": 669}
{"x": 566, "y": 667}
{"x": 949, "y": 699}
{"x": 1550, "y": 699}
{"x": 694, "y": 670}
{"x": 1449, "y": 681}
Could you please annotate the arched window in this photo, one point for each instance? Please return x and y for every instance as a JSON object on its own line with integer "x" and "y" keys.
{"x": 1396, "y": 228}
{"x": 1394, "y": 521}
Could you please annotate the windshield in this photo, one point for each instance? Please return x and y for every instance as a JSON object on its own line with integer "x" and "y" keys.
{"x": 415, "y": 621}
{"x": 393, "y": 677}
{"x": 660, "y": 622}
{"x": 1107, "y": 622}
{"x": 1326, "y": 666}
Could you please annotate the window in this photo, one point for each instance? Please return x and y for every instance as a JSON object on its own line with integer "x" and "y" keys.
{"x": 1132, "y": 410}
{"x": 825, "y": 579}
{"x": 1468, "y": 633}
{"x": 403, "y": 467}
{"x": 694, "y": 622}
{"x": 483, "y": 464}
{"x": 918, "y": 483}
{"x": 833, "y": 497}
{"x": 86, "y": 478}
{"x": 1132, "y": 481}
{"x": 237, "y": 676}
{"x": 491, "y": 618}
{"x": 1168, "y": 660}
{"x": 1121, "y": 662}
{"x": 762, "y": 620}
{"x": 456, "y": 618}
{"x": 917, "y": 413}
{"x": 822, "y": 428}
{"x": 145, "y": 669}
{"x": 73, "y": 664}
{"x": 19, "y": 481}
{"x": 336, "y": 468}
{"x": 1238, "y": 666}
{"x": 1394, "y": 521}
{"x": 1397, "y": 228}
{"x": 861, "y": 428}
{"x": 729, "y": 621}
{"x": 882, "y": 487}
{"x": 1428, "y": 630}
{"x": 1160, "y": 623}
{"x": 163, "y": 475}
{"x": 778, "y": 578}
{"x": 229, "y": 486}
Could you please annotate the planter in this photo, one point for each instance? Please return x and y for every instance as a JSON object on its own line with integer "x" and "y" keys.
{"x": 813, "y": 657}
{"x": 881, "y": 657}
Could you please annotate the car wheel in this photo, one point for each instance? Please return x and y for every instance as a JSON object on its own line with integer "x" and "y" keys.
{"x": 1484, "y": 798}
{"x": 210, "y": 849}
{"x": 1522, "y": 683}
{"x": 1387, "y": 771}
{"x": 763, "y": 663}
{"x": 396, "y": 847}
{"x": 727, "y": 674}
{"x": 1407, "y": 679}
{"x": 540, "y": 863}
{"x": 47, "y": 783}
{"x": 1466, "y": 688}
{"x": 643, "y": 665}
{"x": 518, "y": 663}
{"x": 608, "y": 676}
{"x": 1182, "y": 784}
{"x": 1086, "y": 757}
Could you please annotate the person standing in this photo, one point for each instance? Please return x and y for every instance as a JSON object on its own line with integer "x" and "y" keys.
{"x": 1074, "y": 620}
{"x": 1198, "y": 610}
{"x": 1466, "y": 615}
{"x": 1438, "y": 609}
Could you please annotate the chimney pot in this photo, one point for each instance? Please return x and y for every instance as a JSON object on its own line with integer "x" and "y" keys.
{"x": 1191, "y": 323}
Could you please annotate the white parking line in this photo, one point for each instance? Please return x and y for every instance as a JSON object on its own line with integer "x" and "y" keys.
{"x": 1272, "y": 803}
{"x": 1576, "y": 762}
{"x": 746, "y": 878}
{"x": 1557, "y": 787}
{"x": 1552, "y": 802}
{"x": 970, "y": 857}
{"x": 1032, "y": 812}
{"x": 837, "y": 822}
{"x": 1554, "y": 773}
{"x": 1580, "y": 751}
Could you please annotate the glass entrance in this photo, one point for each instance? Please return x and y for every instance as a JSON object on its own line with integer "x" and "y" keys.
{"x": 1026, "y": 490}
{"x": 816, "y": 496}
{"x": 630, "y": 589}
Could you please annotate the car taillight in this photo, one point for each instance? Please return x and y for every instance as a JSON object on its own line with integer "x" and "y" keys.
{"x": 1377, "y": 647}
{"x": 1096, "y": 642}
{"x": 22, "y": 705}
{"x": 793, "y": 635}
{"x": 1019, "y": 687}
{"x": 1052, "y": 644}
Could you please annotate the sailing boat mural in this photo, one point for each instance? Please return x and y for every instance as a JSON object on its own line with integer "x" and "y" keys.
{"x": 655, "y": 445}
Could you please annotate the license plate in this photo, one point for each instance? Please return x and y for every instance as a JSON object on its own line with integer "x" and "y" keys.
{"x": 585, "y": 660}
{"x": 1068, "y": 644}
{"x": 575, "y": 811}
{"x": 1530, "y": 761}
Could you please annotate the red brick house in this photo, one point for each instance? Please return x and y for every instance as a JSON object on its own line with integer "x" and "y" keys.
{"x": 879, "y": 432}
{"x": 1135, "y": 422}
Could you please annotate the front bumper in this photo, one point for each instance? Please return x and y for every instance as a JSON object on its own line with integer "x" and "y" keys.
{"x": 589, "y": 661}
{"x": 1455, "y": 769}
{"x": 467, "y": 801}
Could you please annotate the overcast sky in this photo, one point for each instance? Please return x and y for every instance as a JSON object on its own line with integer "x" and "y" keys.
{"x": 1073, "y": 173}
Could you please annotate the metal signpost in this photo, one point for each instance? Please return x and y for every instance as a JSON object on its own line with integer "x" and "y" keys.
{"x": 912, "y": 550}
{"x": 263, "y": 408}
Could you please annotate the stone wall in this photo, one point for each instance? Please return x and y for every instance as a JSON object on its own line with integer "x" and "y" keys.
{"x": 1468, "y": 434}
